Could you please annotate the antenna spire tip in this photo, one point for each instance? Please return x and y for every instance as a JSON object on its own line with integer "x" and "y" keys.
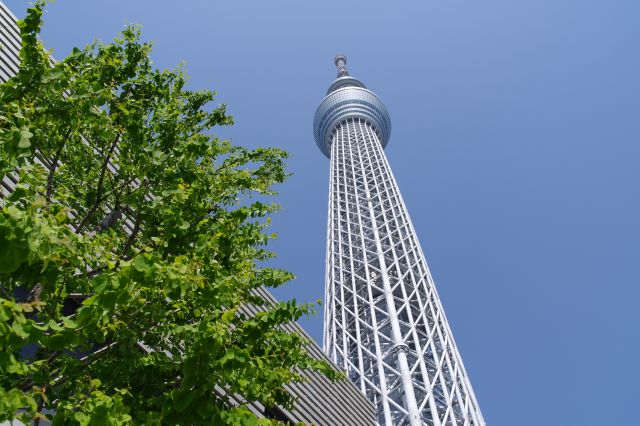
{"x": 341, "y": 62}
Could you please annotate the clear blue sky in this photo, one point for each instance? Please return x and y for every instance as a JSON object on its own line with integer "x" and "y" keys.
{"x": 516, "y": 130}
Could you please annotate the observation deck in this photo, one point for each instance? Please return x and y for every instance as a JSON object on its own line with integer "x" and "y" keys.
{"x": 348, "y": 97}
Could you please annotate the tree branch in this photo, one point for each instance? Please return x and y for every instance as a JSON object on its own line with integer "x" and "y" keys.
{"x": 58, "y": 379}
{"x": 28, "y": 383}
{"x": 99, "y": 197}
{"x": 54, "y": 163}
{"x": 36, "y": 422}
{"x": 137, "y": 223}
{"x": 5, "y": 293}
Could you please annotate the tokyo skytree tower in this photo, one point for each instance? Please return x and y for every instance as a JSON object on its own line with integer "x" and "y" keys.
{"x": 384, "y": 323}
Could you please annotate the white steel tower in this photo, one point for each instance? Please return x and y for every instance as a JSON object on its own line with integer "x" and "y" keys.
{"x": 384, "y": 323}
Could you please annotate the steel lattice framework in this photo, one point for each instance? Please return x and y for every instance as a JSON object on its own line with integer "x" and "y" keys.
{"x": 384, "y": 323}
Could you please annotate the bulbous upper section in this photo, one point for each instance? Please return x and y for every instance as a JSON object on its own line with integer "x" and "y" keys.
{"x": 348, "y": 98}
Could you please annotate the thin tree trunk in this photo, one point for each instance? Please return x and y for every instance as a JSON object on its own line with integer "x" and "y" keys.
{"x": 137, "y": 224}
{"x": 54, "y": 163}
{"x": 103, "y": 171}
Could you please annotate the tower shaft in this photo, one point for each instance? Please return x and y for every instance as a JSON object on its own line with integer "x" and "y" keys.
{"x": 384, "y": 323}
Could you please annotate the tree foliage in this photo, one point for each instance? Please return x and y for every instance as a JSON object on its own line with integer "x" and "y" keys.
{"x": 146, "y": 220}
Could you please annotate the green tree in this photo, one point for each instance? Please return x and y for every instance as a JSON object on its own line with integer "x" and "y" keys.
{"x": 147, "y": 220}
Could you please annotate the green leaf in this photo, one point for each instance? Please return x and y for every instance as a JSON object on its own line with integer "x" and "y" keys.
{"x": 142, "y": 264}
{"x": 182, "y": 398}
{"x": 25, "y": 135}
{"x": 13, "y": 249}
{"x": 54, "y": 325}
